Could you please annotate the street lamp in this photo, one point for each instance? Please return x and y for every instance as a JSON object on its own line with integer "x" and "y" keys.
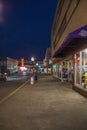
{"x": 36, "y": 64}
{"x": 32, "y": 62}
{"x": 32, "y": 59}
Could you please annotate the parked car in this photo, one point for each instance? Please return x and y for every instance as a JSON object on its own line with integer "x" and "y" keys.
{"x": 3, "y": 77}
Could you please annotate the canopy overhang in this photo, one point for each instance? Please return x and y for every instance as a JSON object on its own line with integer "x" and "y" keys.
{"x": 73, "y": 42}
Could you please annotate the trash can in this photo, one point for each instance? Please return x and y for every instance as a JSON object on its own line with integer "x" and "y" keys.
{"x": 32, "y": 80}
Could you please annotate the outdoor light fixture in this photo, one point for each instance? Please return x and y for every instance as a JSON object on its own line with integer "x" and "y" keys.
{"x": 32, "y": 58}
{"x": 36, "y": 64}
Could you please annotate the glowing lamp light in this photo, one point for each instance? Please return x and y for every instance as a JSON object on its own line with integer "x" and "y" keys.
{"x": 78, "y": 58}
{"x": 32, "y": 58}
{"x": 36, "y": 64}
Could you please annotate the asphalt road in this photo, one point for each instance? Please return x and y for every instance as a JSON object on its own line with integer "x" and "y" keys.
{"x": 13, "y": 82}
{"x": 46, "y": 105}
{"x": 10, "y": 85}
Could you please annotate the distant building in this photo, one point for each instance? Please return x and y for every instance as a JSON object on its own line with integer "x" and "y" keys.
{"x": 47, "y": 61}
{"x": 38, "y": 65}
{"x": 48, "y": 56}
{"x": 8, "y": 65}
{"x": 21, "y": 62}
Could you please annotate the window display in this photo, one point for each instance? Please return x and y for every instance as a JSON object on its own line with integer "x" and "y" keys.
{"x": 81, "y": 69}
{"x": 84, "y": 68}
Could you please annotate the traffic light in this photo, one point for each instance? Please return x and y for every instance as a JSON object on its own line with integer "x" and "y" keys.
{"x": 39, "y": 66}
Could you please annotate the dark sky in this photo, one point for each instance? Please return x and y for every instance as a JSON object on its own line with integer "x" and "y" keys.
{"x": 26, "y": 28}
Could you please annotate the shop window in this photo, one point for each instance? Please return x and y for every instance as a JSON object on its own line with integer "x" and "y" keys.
{"x": 84, "y": 68}
{"x": 81, "y": 69}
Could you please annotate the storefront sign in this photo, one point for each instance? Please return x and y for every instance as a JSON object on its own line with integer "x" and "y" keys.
{"x": 83, "y": 33}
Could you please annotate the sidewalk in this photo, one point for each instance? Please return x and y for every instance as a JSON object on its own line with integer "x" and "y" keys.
{"x": 46, "y": 105}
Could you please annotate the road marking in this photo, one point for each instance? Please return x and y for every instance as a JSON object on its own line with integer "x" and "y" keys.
{"x": 12, "y": 93}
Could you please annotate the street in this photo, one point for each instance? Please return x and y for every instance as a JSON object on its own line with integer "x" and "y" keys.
{"x": 12, "y": 83}
{"x": 47, "y": 105}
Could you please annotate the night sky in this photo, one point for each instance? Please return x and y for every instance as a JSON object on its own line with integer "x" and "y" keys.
{"x": 25, "y": 28}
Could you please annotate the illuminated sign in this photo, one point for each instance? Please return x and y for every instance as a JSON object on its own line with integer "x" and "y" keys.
{"x": 83, "y": 33}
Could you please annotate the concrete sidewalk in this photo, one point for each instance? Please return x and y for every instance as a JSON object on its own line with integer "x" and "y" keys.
{"x": 47, "y": 105}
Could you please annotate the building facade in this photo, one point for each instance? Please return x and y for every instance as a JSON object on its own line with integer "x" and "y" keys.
{"x": 8, "y": 65}
{"x": 47, "y": 61}
{"x": 69, "y": 43}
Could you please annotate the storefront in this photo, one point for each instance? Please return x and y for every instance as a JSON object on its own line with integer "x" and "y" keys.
{"x": 75, "y": 45}
{"x": 81, "y": 69}
{"x": 55, "y": 70}
{"x": 63, "y": 70}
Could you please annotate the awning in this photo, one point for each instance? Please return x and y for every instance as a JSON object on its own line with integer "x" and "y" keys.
{"x": 73, "y": 41}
